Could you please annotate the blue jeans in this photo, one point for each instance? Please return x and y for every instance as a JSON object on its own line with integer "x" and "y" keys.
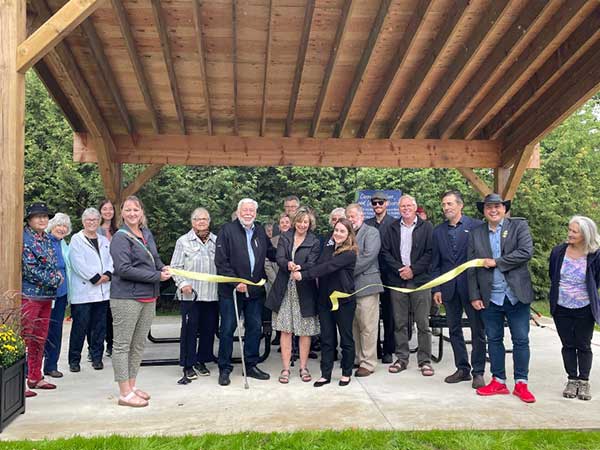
{"x": 54, "y": 340}
{"x": 86, "y": 316}
{"x": 517, "y": 317}
{"x": 252, "y": 310}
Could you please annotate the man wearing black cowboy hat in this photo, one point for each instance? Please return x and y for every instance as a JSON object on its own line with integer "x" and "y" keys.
{"x": 502, "y": 290}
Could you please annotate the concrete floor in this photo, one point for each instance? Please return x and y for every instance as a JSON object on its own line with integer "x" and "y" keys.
{"x": 85, "y": 403}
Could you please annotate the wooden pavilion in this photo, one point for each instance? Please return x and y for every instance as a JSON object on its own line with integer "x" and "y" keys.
{"x": 382, "y": 83}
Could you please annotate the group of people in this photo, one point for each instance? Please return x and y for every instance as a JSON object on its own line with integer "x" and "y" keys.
{"x": 117, "y": 268}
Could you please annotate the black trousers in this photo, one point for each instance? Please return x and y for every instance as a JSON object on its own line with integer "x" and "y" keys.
{"x": 88, "y": 318}
{"x": 198, "y": 327}
{"x": 332, "y": 322}
{"x": 575, "y": 328}
{"x": 387, "y": 345}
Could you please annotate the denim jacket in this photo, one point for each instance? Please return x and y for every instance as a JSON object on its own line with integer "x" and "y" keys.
{"x": 40, "y": 277}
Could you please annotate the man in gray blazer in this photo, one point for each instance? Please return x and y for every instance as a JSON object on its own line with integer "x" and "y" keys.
{"x": 366, "y": 272}
{"x": 502, "y": 290}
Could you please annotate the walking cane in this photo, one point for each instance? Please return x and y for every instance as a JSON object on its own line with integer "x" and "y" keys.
{"x": 240, "y": 339}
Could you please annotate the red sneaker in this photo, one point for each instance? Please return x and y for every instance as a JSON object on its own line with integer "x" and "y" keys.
{"x": 522, "y": 391}
{"x": 493, "y": 388}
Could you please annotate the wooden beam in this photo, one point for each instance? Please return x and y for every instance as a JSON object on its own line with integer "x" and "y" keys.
{"x": 567, "y": 93}
{"x": 58, "y": 95}
{"x": 362, "y": 67}
{"x": 202, "y": 60}
{"x": 107, "y": 74}
{"x": 518, "y": 170}
{"x": 12, "y": 153}
{"x": 329, "y": 152}
{"x": 67, "y": 73}
{"x": 141, "y": 180}
{"x": 455, "y": 72}
{"x": 437, "y": 48}
{"x": 56, "y": 28}
{"x": 263, "y": 113}
{"x": 138, "y": 68}
{"x": 561, "y": 60}
{"x": 301, "y": 59}
{"x": 478, "y": 184}
{"x": 236, "y": 125}
{"x": 501, "y": 175}
{"x": 333, "y": 56}
{"x": 481, "y": 81}
{"x": 564, "y": 21}
{"x": 415, "y": 24}
{"x": 165, "y": 46}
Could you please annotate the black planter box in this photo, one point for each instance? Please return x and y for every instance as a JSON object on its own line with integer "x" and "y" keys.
{"x": 12, "y": 392}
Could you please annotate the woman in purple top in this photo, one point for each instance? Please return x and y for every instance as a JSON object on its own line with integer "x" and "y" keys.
{"x": 574, "y": 301}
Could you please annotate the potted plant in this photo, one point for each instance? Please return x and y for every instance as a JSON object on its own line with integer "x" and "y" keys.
{"x": 12, "y": 369}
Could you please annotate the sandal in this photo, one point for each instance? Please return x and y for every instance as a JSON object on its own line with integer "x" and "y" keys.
{"x": 140, "y": 393}
{"x": 305, "y": 375}
{"x": 132, "y": 400}
{"x": 426, "y": 370}
{"x": 284, "y": 376}
{"x": 40, "y": 384}
{"x": 397, "y": 367}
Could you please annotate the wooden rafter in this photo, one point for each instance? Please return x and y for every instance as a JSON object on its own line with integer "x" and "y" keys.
{"x": 138, "y": 68}
{"x": 567, "y": 94}
{"x": 201, "y": 46}
{"x": 107, "y": 74}
{"x": 56, "y": 92}
{"x": 436, "y": 49}
{"x": 518, "y": 170}
{"x": 564, "y": 21}
{"x": 236, "y": 126}
{"x": 282, "y": 151}
{"x": 301, "y": 59}
{"x": 141, "y": 180}
{"x": 479, "y": 84}
{"x": 561, "y": 60}
{"x": 333, "y": 56}
{"x": 263, "y": 110}
{"x": 415, "y": 24}
{"x": 479, "y": 185}
{"x": 53, "y": 31}
{"x": 445, "y": 86}
{"x": 362, "y": 67}
{"x": 163, "y": 35}
{"x": 65, "y": 69}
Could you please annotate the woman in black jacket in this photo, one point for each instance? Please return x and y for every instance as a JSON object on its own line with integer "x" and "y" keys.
{"x": 335, "y": 271}
{"x": 574, "y": 302}
{"x": 294, "y": 303}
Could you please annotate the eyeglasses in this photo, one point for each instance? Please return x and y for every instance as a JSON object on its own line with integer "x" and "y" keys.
{"x": 198, "y": 219}
{"x": 377, "y": 202}
{"x": 92, "y": 220}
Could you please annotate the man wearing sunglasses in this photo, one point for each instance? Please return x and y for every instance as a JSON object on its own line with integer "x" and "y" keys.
{"x": 382, "y": 221}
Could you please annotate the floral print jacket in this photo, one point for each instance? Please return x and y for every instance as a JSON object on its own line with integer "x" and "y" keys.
{"x": 41, "y": 276}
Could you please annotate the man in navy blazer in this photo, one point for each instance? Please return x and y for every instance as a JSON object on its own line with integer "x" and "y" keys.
{"x": 450, "y": 244}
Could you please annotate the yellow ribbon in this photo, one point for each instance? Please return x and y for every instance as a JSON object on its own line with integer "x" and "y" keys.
{"x": 213, "y": 278}
{"x": 444, "y": 278}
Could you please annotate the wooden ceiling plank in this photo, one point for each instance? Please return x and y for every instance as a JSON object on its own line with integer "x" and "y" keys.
{"x": 437, "y": 48}
{"x": 53, "y": 31}
{"x": 201, "y": 46}
{"x": 263, "y": 110}
{"x": 440, "y": 94}
{"x": 415, "y": 24}
{"x": 142, "y": 178}
{"x": 535, "y": 11}
{"x": 138, "y": 68}
{"x": 560, "y": 61}
{"x": 301, "y": 59}
{"x": 333, "y": 56}
{"x": 477, "y": 183}
{"x": 236, "y": 125}
{"x": 109, "y": 78}
{"x": 165, "y": 46}
{"x": 362, "y": 67}
{"x": 567, "y": 93}
{"x": 565, "y": 20}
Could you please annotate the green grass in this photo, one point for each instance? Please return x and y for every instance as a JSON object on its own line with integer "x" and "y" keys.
{"x": 342, "y": 440}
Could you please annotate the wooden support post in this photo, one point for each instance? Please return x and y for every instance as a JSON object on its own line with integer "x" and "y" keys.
{"x": 12, "y": 118}
{"x": 141, "y": 180}
{"x": 518, "y": 170}
{"x": 479, "y": 185}
{"x": 501, "y": 179}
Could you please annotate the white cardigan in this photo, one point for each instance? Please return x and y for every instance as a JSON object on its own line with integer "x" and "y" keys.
{"x": 85, "y": 264}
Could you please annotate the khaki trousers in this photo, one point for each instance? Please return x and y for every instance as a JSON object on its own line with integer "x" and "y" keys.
{"x": 364, "y": 330}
